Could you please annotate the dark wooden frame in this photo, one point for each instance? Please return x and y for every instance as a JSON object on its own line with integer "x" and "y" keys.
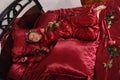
{"x": 5, "y": 55}
{"x": 5, "y": 15}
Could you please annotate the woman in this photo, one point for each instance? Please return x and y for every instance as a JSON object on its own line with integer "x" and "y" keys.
{"x": 70, "y": 27}
{"x": 33, "y": 64}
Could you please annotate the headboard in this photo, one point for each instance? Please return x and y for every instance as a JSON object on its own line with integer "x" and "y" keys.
{"x": 7, "y": 18}
{"x": 14, "y": 9}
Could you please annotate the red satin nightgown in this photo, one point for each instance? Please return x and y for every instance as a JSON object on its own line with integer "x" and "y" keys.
{"x": 70, "y": 59}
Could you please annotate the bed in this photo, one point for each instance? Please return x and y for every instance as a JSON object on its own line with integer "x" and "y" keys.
{"x": 69, "y": 59}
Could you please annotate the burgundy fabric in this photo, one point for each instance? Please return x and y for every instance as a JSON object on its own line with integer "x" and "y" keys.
{"x": 102, "y": 54}
{"x": 77, "y": 26}
{"x": 72, "y": 59}
{"x": 69, "y": 59}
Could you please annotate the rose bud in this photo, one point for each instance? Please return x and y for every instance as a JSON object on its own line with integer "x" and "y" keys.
{"x": 111, "y": 42}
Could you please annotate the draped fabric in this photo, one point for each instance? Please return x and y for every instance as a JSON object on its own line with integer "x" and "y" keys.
{"x": 103, "y": 73}
{"x": 75, "y": 58}
{"x": 80, "y": 22}
{"x": 70, "y": 59}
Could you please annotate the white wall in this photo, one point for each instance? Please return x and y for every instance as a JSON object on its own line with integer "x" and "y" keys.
{"x": 4, "y": 4}
{"x": 47, "y": 4}
{"x": 57, "y": 4}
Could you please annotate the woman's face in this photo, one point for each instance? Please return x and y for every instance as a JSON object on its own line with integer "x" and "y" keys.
{"x": 35, "y": 37}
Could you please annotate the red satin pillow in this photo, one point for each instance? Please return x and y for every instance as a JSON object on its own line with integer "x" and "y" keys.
{"x": 29, "y": 18}
{"x": 20, "y": 46}
{"x": 18, "y": 36}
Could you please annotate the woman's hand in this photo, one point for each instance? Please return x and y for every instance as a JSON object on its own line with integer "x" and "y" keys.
{"x": 24, "y": 59}
{"x": 99, "y": 8}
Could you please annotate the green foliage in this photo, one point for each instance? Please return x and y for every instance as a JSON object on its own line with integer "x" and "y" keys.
{"x": 38, "y": 52}
{"x": 109, "y": 17}
{"x": 109, "y": 65}
{"x": 52, "y": 26}
{"x": 113, "y": 50}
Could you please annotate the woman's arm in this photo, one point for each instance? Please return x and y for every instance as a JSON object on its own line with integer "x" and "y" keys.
{"x": 63, "y": 13}
{"x": 87, "y": 33}
{"x": 88, "y": 25}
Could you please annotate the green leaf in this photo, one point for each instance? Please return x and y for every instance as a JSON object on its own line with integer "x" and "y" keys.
{"x": 53, "y": 28}
{"x": 50, "y": 24}
{"x": 57, "y": 24}
{"x": 110, "y": 65}
{"x": 111, "y": 61}
{"x": 46, "y": 28}
{"x": 113, "y": 50}
{"x": 109, "y": 22}
{"x": 54, "y": 21}
{"x": 112, "y": 17}
{"x": 104, "y": 65}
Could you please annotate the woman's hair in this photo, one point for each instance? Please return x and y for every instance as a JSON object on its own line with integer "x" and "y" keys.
{"x": 28, "y": 33}
{"x": 90, "y": 2}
